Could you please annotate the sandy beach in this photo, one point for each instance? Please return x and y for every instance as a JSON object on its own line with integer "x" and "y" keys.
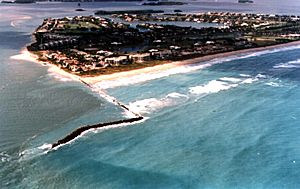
{"x": 167, "y": 66}
{"x": 27, "y": 56}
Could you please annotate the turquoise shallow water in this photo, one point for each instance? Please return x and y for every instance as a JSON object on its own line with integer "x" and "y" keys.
{"x": 232, "y": 124}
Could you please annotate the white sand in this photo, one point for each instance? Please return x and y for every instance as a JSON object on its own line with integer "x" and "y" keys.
{"x": 126, "y": 75}
{"x": 27, "y": 56}
{"x": 168, "y": 66}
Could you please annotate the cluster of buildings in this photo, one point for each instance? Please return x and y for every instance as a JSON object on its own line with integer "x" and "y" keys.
{"x": 82, "y": 31}
{"x": 224, "y": 18}
{"x": 84, "y": 44}
{"x": 80, "y": 61}
{"x": 83, "y": 61}
{"x": 88, "y": 23}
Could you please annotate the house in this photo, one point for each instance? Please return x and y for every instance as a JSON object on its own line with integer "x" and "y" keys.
{"x": 75, "y": 68}
{"x": 104, "y": 53}
{"x": 161, "y": 54}
{"x": 244, "y": 24}
{"x": 140, "y": 57}
{"x": 209, "y": 42}
{"x": 175, "y": 47}
{"x": 117, "y": 60}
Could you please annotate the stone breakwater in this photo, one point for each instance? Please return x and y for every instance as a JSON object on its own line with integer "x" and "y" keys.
{"x": 80, "y": 130}
{"x": 83, "y": 129}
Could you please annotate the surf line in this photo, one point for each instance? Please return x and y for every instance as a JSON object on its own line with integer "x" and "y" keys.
{"x": 83, "y": 129}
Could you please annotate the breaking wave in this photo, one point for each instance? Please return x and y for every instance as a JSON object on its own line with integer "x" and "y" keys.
{"x": 143, "y": 77}
{"x": 290, "y": 64}
{"x": 46, "y": 148}
{"x": 230, "y": 79}
{"x": 5, "y": 157}
{"x": 273, "y": 84}
{"x": 150, "y": 105}
{"x": 222, "y": 84}
{"x": 263, "y": 52}
{"x": 213, "y": 86}
{"x": 60, "y": 77}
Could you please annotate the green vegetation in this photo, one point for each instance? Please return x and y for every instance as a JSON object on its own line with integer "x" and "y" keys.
{"x": 90, "y": 45}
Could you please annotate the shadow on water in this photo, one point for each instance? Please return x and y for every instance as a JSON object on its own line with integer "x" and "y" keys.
{"x": 14, "y": 40}
{"x": 112, "y": 176}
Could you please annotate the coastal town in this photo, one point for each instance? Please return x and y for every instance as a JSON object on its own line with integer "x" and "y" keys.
{"x": 93, "y": 45}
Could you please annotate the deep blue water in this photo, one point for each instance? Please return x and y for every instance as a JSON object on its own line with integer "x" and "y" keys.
{"x": 233, "y": 124}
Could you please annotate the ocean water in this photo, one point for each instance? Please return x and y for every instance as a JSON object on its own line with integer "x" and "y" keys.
{"x": 226, "y": 123}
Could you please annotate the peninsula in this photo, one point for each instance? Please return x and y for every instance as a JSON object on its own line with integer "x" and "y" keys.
{"x": 93, "y": 45}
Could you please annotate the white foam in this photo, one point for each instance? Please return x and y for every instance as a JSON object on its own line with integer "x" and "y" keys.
{"x": 213, "y": 86}
{"x": 4, "y": 157}
{"x": 60, "y": 77}
{"x": 176, "y": 95}
{"x": 260, "y": 53}
{"x": 60, "y": 74}
{"x": 245, "y": 75}
{"x": 12, "y": 24}
{"x": 295, "y": 61}
{"x": 230, "y": 79}
{"x": 147, "y": 105}
{"x": 127, "y": 112}
{"x": 45, "y": 146}
{"x": 255, "y": 54}
{"x": 140, "y": 78}
{"x": 249, "y": 80}
{"x": 97, "y": 130}
{"x": 261, "y": 76}
{"x": 150, "y": 105}
{"x": 222, "y": 84}
{"x": 290, "y": 64}
{"x": 273, "y": 84}
{"x": 25, "y": 55}
{"x": 53, "y": 70}
{"x": 160, "y": 74}
{"x": 286, "y": 66}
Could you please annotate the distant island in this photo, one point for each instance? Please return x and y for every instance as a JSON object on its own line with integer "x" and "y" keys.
{"x": 34, "y": 1}
{"x": 245, "y": 1}
{"x": 79, "y": 10}
{"x": 19, "y": 1}
{"x": 103, "y": 12}
{"x": 163, "y": 3}
{"x": 88, "y": 45}
{"x": 8, "y": 2}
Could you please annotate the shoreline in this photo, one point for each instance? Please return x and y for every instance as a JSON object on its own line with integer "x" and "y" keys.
{"x": 167, "y": 66}
{"x": 135, "y": 117}
{"x": 91, "y": 80}
{"x": 31, "y": 57}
